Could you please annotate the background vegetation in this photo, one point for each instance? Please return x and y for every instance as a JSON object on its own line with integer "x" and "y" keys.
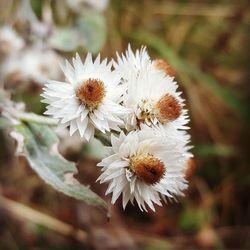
{"x": 207, "y": 43}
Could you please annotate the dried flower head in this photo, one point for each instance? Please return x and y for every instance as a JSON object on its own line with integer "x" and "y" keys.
{"x": 88, "y": 99}
{"x": 164, "y": 67}
{"x": 145, "y": 165}
{"x": 152, "y": 96}
{"x": 153, "y": 99}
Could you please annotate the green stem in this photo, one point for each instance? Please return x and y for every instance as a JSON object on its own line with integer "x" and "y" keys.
{"x": 31, "y": 117}
{"x": 103, "y": 138}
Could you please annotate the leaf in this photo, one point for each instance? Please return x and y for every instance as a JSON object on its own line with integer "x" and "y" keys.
{"x": 19, "y": 139}
{"x": 89, "y": 33}
{"x": 94, "y": 150}
{"x": 93, "y": 31}
{"x": 65, "y": 39}
{"x": 40, "y": 149}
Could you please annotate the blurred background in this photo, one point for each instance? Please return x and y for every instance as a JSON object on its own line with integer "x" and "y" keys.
{"x": 207, "y": 43}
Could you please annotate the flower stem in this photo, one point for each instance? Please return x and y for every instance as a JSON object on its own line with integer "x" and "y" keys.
{"x": 30, "y": 117}
{"x": 104, "y": 139}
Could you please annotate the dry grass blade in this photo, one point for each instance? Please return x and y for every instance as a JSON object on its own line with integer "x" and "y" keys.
{"x": 24, "y": 212}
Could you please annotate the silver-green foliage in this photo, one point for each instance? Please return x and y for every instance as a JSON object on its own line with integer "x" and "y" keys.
{"x": 40, "y": 149}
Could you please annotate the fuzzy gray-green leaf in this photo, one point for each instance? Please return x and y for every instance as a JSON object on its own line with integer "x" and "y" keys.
{"x": 40, "y": 148}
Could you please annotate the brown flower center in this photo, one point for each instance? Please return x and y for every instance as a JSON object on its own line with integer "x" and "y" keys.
{"x": 148, "y": 168}
{"x": 167, "y": 109}
{"x": 91, "y": 92}
{"x": 163, "y": 66}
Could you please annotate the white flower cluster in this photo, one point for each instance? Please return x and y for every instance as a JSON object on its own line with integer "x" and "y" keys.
{"x": 135, "y": 99}
{"x": 10, "y": 42}
{"x": 22, "y": 65}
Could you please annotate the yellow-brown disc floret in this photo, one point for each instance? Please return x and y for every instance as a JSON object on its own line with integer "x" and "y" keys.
{"x": 91, "y": 93}
{"x": 167, "y": 109}
{"x": 147, "y": 168}
{"x": 163, "y": 66}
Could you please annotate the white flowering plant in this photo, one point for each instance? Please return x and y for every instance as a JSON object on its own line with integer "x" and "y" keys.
{"x": 133, "y": 106}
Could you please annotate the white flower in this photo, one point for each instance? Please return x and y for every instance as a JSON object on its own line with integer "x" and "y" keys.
{"x": 40, "y": 64}
{"x": 151, "y": 93}
{"x": 130, "y": 63}
{"x": 88, "y": 99}
{"x": 153, "y": 99}
{"x": 146, "y": 166}
{"x": 10, "y": 42}
{"x": 46, "y": 67}
{"x": 32, "y": 65}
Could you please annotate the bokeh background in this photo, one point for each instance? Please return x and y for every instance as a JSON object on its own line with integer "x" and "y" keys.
{"x": 207, "y": 43}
